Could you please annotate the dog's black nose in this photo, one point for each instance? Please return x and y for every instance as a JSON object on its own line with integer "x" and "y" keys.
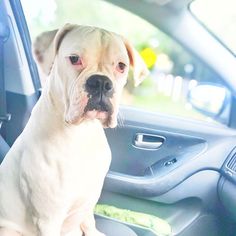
{"x": 99, "y": 84}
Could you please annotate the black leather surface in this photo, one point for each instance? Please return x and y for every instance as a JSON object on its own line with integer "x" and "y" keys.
{"x": 4, "y": 148}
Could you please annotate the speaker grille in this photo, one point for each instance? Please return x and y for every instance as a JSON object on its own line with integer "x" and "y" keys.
{"x": 232, "y": 163}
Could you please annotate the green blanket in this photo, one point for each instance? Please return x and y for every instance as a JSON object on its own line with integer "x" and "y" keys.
{"x": 158, "y": 226}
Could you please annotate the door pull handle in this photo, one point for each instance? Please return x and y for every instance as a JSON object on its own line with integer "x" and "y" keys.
{"x": 148, "y": 141}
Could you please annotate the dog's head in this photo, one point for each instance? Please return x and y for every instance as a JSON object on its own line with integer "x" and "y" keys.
{"x": 88, "y": 69}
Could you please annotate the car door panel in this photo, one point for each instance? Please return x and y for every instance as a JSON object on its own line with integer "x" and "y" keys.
{"x": 150, "y": 181}
{"x": 180, "y": 214}
{"x": 141, "y": 172}
{"x": 173, "y": 145}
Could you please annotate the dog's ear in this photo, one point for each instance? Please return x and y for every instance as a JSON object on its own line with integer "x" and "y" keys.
{"x": 46, "y": 46}
{"x": 140, "y": 69}
{"x": 43, "y": 50}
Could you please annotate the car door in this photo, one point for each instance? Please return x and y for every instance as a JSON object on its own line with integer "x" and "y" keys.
{"x": 166, "y": 165}
{"x": 169, "y": 166}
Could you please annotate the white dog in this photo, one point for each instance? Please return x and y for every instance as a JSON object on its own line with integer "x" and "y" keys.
{"x": 52, "y": 176}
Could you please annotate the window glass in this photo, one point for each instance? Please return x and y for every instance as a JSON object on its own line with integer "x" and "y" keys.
{"x": 219, "y": 17}
{"x": 173, "y": 71}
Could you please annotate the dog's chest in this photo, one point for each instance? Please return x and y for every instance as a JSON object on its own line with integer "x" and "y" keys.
{"x": 80, "y": 161}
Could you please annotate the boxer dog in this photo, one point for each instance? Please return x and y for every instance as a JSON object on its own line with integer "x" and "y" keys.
{"x": 52, "y": 177}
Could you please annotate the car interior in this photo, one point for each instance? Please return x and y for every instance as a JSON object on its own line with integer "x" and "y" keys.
{"x": 177, "y": 169}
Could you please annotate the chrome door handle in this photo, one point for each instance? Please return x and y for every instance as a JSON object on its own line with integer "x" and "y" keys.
{"x": 148, "y": 141}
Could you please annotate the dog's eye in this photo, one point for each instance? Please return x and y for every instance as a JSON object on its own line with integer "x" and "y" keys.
{"x": 75, "y": 60}
{"x": 121, "y": 67}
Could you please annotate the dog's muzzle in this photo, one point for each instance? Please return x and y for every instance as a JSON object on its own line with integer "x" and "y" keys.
{"x": 100, "y": 91}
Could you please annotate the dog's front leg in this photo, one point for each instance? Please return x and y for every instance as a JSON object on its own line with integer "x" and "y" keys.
{"x": 88, "y": 226}
{"x": 49, "y": 227}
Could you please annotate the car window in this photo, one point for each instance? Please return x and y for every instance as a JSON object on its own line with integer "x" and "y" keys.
{"x": 220, "y": 21}
{"x": 173, "y": 71}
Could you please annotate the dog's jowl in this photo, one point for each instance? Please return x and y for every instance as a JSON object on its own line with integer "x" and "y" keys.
{"x": 52, "y": 176}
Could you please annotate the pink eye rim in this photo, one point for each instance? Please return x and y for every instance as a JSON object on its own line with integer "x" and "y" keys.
{"x": 75, "y": 60}
{"x": 121, "y": 67}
